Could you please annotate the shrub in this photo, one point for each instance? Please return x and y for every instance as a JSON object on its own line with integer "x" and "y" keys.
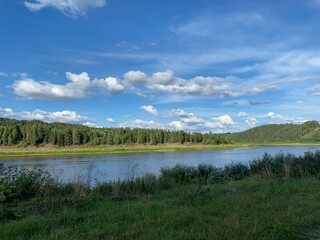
{"x": 237, "y": 171}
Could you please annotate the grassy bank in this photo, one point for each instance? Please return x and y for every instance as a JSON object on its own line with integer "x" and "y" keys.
{"x": 7, "y": 152}
{"x": 271, "y": 198}
{"x": 248, "y": 209}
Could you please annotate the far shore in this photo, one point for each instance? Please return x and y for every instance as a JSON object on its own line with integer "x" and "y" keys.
{"x": 10, "y": 152}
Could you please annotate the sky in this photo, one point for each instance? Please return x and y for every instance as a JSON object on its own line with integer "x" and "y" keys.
{"x": 196, "y": 65}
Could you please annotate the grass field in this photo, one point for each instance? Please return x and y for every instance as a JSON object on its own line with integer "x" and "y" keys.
{"x": 247, "y": 209}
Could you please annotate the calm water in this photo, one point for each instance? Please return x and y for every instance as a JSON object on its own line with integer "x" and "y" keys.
{"x": 112, "y": 167}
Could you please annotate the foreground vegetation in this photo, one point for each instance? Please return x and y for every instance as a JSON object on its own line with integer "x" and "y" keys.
{"x": 271, "y": 198}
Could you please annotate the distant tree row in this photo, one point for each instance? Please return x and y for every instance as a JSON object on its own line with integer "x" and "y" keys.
{"x": 35, "y": 133}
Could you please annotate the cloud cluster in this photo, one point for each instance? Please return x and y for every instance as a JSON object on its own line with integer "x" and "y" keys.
{"x": 190, "y": 122}
{"x": 80, "y": 86}
{"x": 63, "y": 116}
{"x": 276, "y": 116}
{"x": 139, "y": 83}
{"x": 68, "y": 7}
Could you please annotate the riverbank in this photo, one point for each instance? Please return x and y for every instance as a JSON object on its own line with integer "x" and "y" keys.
{"x": 8, "y": 152}
{"x": 247, "y": 209}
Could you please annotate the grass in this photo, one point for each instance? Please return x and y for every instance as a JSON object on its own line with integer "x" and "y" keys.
{"x": 8, "y": 152}
{"x": 246, "y": 209}
{"x": 43, "y": 151}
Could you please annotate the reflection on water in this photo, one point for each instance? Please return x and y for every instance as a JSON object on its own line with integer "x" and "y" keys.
{"x": 114, "y": 166}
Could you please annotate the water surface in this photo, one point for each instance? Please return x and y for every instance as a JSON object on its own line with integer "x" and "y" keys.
{"x": 114, "y": 166}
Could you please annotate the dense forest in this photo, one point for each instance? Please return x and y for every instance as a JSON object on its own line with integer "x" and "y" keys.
{"x": 279, "y": 133}
{"x": 37, "y": 133}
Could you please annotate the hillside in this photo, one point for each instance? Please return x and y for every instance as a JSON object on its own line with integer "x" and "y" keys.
{"x": 280, "y": 133}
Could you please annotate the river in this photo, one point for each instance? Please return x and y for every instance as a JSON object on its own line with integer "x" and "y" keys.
{"x": 115, "y": 166}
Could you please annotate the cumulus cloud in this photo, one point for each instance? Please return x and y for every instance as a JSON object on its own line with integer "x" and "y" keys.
{"x": 136, "y": 77}
{"x": 80, "y": 86}
{"x": 150, "y": 109}
{"x": 63, "y": 116}
{"x": 68, "y": 7}
{"x": 188, "y": 121}
{"x": 110, "y": 120}
{"x": 197, "y": 86}
{"x": 252, "y": 122}
{"x": 292, "y": 119}
{"x": 224, "y": 120}
{"x": 177, "y": 125}
{"x": 110, "y": 83}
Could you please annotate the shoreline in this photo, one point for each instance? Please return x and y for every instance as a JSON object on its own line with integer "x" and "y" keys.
{"x": 52, "y": 151}
{"x": 11, "y": 152}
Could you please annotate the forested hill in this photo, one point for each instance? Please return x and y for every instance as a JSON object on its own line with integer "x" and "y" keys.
{"x": 37, "y": 133}
{"x": 279, "y": 133}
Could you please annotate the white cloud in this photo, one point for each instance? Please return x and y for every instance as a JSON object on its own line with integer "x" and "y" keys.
{"x": 224, "y": 120}
{"x": 177, "y": 125}
{"x": 150, "y": 109}
{"x": 79, "y": 87}
{"x": 68, "y": 7}
{"x": 110, "y": 120}
{"x": 252, "y": 122}
{"x": 136, "y": 77}
{"x": 63, "y": 116}
{"x": 110, "y": 83}
{"x": 190, "y": 122}
{"x": 162, "y": 78}
{"x": 273, "y": 116}
{"x": 241, "y": 114}
{"x": 138, "y": 123}
{"x": 291, "y": 119}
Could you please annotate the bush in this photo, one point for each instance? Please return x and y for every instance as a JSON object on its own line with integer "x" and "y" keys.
{"x": 237, "y": 171}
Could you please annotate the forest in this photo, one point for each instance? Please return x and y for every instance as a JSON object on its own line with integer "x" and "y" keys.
{"x": 38, "y": 133}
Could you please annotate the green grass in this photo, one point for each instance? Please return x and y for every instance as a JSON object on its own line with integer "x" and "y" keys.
{"x": 11, "y": 152}
{"x": 8, "y": 152}
{"x": 246, "y": 209}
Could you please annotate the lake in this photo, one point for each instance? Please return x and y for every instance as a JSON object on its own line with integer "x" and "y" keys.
{"x": 114, "y": 166}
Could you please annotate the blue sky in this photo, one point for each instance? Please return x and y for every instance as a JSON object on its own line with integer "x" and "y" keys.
{"x": 197, "y": 65}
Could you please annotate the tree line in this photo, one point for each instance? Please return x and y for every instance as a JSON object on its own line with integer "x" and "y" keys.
{"x": 36, "y": 133}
